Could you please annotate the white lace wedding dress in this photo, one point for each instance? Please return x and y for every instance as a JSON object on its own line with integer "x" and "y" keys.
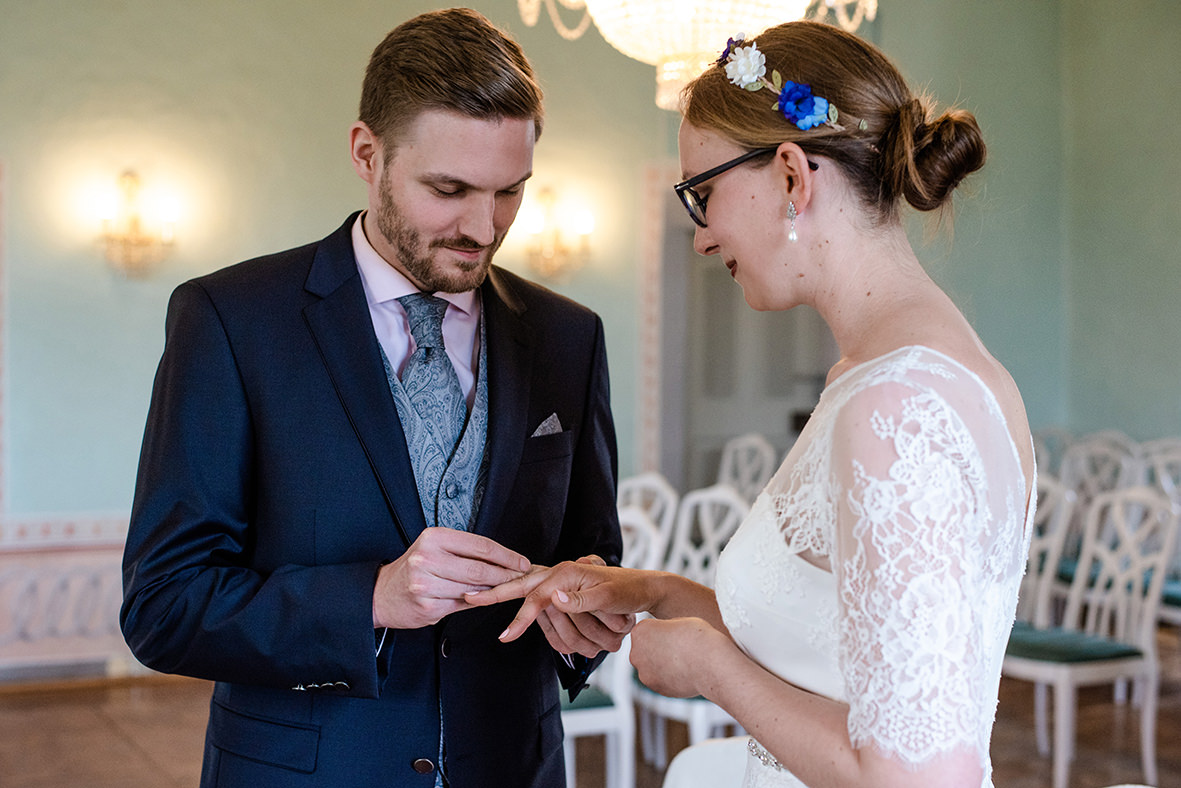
{"x": 907, "y": 483}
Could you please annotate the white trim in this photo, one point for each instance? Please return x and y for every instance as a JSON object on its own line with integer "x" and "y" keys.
{"x": 658, "y": 178}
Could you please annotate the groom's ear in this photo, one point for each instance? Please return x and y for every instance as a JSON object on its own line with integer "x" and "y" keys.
{"x": 365, "y": 150}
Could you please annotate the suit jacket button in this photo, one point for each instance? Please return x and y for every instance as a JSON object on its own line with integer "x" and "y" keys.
{"x": 445, "y": 647}
{"x": 424, "y": 766}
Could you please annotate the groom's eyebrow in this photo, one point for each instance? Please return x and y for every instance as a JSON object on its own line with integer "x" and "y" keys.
{"x": 446, "y": 179}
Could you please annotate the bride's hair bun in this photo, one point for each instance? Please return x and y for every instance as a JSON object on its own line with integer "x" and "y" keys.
{"x": 924, "y": 160}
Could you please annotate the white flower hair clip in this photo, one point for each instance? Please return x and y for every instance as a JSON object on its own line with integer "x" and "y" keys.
{"x": 746, "y": 67}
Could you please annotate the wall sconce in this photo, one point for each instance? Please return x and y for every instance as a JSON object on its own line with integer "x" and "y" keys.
{"x": 134, "y": 239}
{"x": 558, "y": 236}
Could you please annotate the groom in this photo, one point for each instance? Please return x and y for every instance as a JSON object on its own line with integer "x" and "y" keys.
{"x": 347, "y": 437}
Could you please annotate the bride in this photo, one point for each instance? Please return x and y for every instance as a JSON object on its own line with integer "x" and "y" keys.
{"x": 862, "y": 610}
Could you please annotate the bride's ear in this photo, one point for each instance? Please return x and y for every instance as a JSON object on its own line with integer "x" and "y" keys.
{"x": 797, "y": 173}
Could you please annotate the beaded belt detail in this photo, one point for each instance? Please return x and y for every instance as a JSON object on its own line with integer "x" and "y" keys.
{"x": 765, "y": 758}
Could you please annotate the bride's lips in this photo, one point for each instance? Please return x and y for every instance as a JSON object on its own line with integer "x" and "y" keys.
{"x": 732, "y": 265}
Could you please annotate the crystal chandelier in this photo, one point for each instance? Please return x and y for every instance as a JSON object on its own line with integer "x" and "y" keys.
{"x": 682, "y": 37}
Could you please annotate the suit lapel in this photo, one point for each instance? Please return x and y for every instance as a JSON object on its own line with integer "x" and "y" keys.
{"x": 509, "y": 375}
{"x": 343, "y": 331}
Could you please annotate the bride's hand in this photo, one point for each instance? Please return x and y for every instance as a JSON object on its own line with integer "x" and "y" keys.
{"x": 612, "y": 594}
{"x": 676, "y": 657}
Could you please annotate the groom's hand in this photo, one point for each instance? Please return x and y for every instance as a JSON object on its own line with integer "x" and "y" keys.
{"x": 430, "y": 579}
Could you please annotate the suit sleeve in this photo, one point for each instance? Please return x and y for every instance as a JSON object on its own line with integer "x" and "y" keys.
{"x": 591, "y": 525}
{"x": 195, "y": 602}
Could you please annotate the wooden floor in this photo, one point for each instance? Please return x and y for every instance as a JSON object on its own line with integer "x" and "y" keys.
{"x": 147, "y": 733}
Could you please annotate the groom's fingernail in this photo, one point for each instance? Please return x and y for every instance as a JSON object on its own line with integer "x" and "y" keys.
{"x": 562, "y": 596}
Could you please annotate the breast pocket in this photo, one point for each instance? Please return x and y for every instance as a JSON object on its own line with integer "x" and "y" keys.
{"x": 548, "y": 447}
{"x": 537, "y": 505}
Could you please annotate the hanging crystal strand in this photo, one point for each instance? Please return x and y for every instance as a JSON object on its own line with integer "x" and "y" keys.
{"x": 531, "y": 9}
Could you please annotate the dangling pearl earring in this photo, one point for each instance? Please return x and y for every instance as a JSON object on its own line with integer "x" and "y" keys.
{"x": 791, "y": 214}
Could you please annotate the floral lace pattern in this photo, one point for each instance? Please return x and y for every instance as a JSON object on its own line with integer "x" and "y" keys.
{"x": 907, "y": 483}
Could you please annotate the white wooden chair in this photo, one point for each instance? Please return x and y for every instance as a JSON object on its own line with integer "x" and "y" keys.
{"x": 652, "y": 493}
{"x": 1094, "y": 464}
{"x": 1162, "y": 463}
{"x": 643, "y": 545}
{"x": 1049, "y": 444}
{"x": 1108, "y": 631}
{"x": 706, "y": 519}
{"x": 1162, "y": 460}
{"x": 1101, "y": 461}
{"x": 1035, "y": 600}
{"x": 747, "y": 464}
{"x": 1055, "y": 505}
{"x": 604, "y": 707}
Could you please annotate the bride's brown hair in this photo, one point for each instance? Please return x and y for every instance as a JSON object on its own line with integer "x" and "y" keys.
{"x": 890, "y": 146}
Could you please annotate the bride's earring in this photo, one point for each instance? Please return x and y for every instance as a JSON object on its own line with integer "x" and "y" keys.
{"x": 791, "y": 214}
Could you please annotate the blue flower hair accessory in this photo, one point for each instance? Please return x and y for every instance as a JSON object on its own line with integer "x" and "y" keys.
{"x": 746, "y": 67}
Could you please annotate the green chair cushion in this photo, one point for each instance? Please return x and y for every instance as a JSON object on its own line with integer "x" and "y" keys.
{"x": 1066, "y": 569}
{"x": 589, "y": 698}
{"x": 1172, "y": 593}
{"x": 1063, "y": 645}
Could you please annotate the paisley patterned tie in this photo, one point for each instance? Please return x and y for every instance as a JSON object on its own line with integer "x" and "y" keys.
{"x": 429, "y": 379}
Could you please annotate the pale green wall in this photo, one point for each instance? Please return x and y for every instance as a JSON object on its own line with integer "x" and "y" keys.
{"x": 1123, "y": 142}
{"x": 245, "y": 106}
{"x": 1004, "y": 262}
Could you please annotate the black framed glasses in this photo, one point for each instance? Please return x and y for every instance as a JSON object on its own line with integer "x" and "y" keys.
{"x": 695, "y": 203}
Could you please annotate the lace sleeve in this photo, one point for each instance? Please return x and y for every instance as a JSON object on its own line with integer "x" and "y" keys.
{"x": 912, "y": 523}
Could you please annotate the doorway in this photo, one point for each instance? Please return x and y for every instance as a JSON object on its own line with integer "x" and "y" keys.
{"x": 725, "y": 369}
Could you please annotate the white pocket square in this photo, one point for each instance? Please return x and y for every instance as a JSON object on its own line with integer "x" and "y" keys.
{"x": 550, "y": 426}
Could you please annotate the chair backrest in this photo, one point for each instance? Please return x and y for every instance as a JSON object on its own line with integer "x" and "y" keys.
{"x": 1049, "y": 444}
{"x": 747, "y": 464}
{"x": 1101, "y": 461}
{"x": 1055, "y": 502}
{"x": 643, "y": 547}
{"x": 1128, "y": 536}
{"x": 1094, "y": 464}
{"x": 651, "y": 492}
{"x": 1162, "y": 459}
{"x": 706, "y": 519}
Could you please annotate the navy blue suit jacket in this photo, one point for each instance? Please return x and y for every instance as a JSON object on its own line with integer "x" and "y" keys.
{"x": 274, "y": 481}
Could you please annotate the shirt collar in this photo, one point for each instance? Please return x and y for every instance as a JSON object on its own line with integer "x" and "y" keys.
{"x": 385, "y": 283}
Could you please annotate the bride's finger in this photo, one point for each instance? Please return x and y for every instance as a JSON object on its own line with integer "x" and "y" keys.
{"x": 534, "y": 603}
{"x": 620, "y": 623}
{"x": 601, "y": 599}
{"x": 513, "y": 589}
